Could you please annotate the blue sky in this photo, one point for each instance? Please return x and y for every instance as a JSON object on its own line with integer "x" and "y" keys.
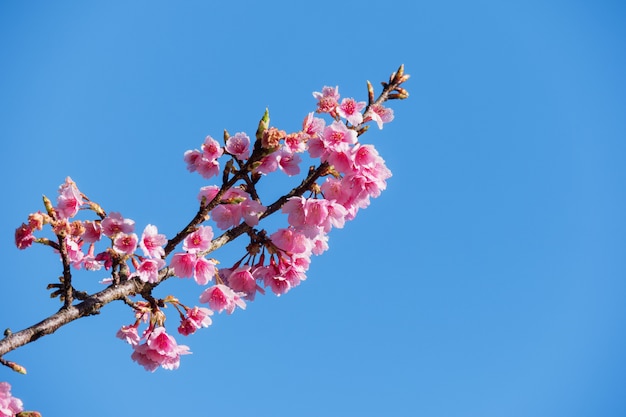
{"x": 487, "y": 280}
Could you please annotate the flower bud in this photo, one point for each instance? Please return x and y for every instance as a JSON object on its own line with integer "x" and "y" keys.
{"x": 264, "y": 123}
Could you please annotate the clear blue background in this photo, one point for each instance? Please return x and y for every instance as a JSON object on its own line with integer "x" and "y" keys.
{"x": 488, "y": 280}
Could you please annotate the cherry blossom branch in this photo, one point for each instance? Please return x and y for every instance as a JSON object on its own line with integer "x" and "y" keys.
{"x": 94, "y": 303}
{"x": 336, "y": 145}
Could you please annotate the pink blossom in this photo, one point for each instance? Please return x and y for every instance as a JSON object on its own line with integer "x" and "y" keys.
{"x": 320, "y": 244}
{"x": 114, "y": 223}
{"x": 128, "y": 334}
{"x": 37, "y": 220}
{"x": 93, "y": 231}
{"x": 152, "y": 242}
{"x": 288, "y": 162}
{"x": 220, "y": 297}
{"x": 197, "y": 161}
{"x": 208, "y": 168}
{"x": 294, "y": 207}
{"x": 89, "y": 260}
{"x": 208, "y": 193}
{"x": 379, "y": 114}
{"x": 317, "y": 148}
{"x": 105, "y": 258}
{"x": 365, "y": 155}
{"x": 160, "y": 349}
{"x": 203, "y": 270}
{"x": 350, "y": 109}
{"x": 191, "y": 158}
{"x": 211, "y": 149}
{"x": 9, "y": 405}
{"x": 125, "y": 243}
{"x": 313, "y": 212}
{"x": 70, "y": 199}
{"x": 336, "y": 216}
{"x": 313, "y": 126}
{"x": 342, "y": 160}
{"x": 239, "y": 146}
{"x": 251, "y": 210}
{"x": 199, "y": 240}
{"x": 148, "y": 270}
{"x": 235, "y": 195}
{"x": 200, "y": 316}
{"x": 337, "y": 137}
{"x": 291, "y": 240}
{"x": 269, "y": 163}
{"x": 273, "y": 278}
{"x": 296, "y": 142}
{"x": 242, "y": 280}
{"x": 74, "y": 253}
{"x": 183, "y": 264}
{"x": 24, "y": 236}
{"x": 327, "y": 100}
{"x": 197, "y": 318}
{"x": 316, "y": 211}
{"x": 288, "y": 273}
{"x": 226, "y": 216}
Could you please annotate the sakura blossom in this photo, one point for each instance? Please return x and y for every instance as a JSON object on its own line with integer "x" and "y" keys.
{"x": 291, "y": 240}
{"x": 327, "y": 100}
{"x": 159, "y": 349}
{"x": 238, "y": 145}
{"x": 350, "y": 110}
{"x": 313, "y": 126}
{"x": 221, "y": 297}
{"x": 199, "y": 240}
{"x": 211, "y": 149}
{"x": 125, "y": 243}
{"x": 24, "y": 236}
{"x": 183, "y": 264}
{"x": 208, "y": 193}
{"x": 70, "y": 199}
{"x": 251, "y": 210}
{"x": 148, "y": 270}
{"x": 242, "y": 280}
{"x": 89, "y": 261}
{"x": 203, "y": 270}
{"x": 226, "y": 215}
{"x": 204, "y": 162}
{"x": 129, "y": 334}
{"x": 9, "y": 405}
{"x": 288, "y": 162}
{"x": 93, "y": 231}
{"x": 197, "y": 317}
{"x": 152, "y": 242}
{"x": 74, "y": 253}
{"x": 379, "y": 114}
{"x": 114, "y": 223}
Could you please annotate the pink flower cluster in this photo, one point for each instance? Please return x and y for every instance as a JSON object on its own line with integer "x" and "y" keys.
{"x": 235, "y": 205}
{"x": 361, "y": 175}
{"x": 9, "y": 405}
{"x": 154, "y": 349}
{"x": 205, "y": 161}
{"x": 350, "y": 109}
{"x": 192, "y": 263}
{"x": 195, "y": 318}
{"x": 78, "y": 234}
